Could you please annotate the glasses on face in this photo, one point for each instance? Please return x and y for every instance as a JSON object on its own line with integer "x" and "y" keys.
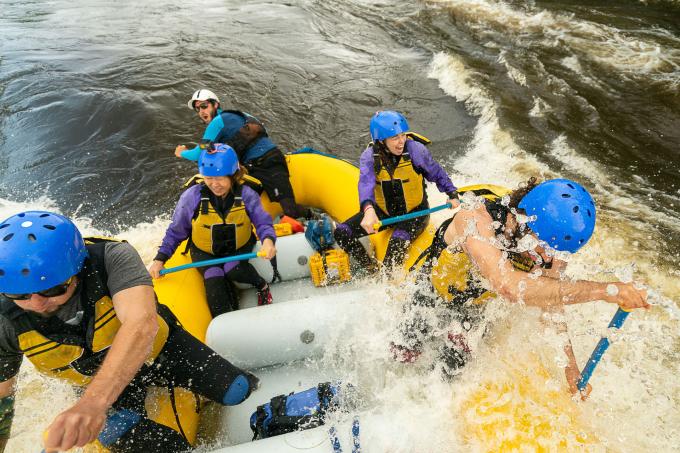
{"x": 202, "y": 106}
{"x": 210, "y": 146}
{"x": 55, "y": 291}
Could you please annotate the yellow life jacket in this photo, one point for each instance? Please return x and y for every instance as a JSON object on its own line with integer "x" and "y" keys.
{"x": 217, "y": 235}
{"x": 72, "y": 357}
{"x": 452, "y": 274}
{"x": 402, "y": 191}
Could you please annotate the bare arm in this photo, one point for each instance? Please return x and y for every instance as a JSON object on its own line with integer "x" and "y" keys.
{"x": 6, "y": 391}
{"x": 136, "y": 309}
{"x": 474, "y": 230}
{"x": 572, "y": 371}
{"x": 7, "y": 387}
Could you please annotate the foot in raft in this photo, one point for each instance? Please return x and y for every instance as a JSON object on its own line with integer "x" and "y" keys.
{"x": 264, "y": 296}
{"x": 453, "y": 355}
{"x": 403, "y": 354}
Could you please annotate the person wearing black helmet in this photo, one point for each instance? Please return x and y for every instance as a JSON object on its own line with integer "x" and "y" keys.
{"x": 86, "y": 313}
{"x": 506, "y": 246}
{"x": 253, "y": 146}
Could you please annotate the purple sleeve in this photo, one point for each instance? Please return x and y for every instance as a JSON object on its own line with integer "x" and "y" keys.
{"x": 366, "y": 177}
{"x": 433, "y": 172}
{"x": 258, "y": 216}
{"x": 180, "y": 227}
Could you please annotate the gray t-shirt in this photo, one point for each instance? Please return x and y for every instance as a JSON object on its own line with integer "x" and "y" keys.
{"x": 125, "y": 270}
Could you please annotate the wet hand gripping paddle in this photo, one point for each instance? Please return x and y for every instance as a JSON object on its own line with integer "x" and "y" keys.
{"x": 226, "y": 259}
{"x": 616, "y": 322}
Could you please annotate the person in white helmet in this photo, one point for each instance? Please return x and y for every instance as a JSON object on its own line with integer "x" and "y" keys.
{"x": 249, "y": 138}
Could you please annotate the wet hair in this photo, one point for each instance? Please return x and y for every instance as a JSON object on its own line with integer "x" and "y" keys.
{"x": 386, "y": 157}
{"x": 379, "y": 146}
{"x": 521, "y": 191}
{"x": 237, "y": 178}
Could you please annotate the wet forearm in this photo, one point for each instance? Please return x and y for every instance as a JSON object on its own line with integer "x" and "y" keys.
{"x": 6, "y": 418}
{"x": 130, "y": 348}
{"x": 549, "y": 292}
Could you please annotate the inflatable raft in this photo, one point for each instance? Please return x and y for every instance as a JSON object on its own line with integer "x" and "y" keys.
{"x": 253, "y": 337}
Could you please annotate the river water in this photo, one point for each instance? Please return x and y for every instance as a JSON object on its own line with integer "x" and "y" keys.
{"x": 93, "y": 101}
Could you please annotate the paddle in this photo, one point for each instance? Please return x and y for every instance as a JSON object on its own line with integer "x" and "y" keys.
{"x": 617, "y": 321}
{"x": 409, "y": 216}
{"x": 226, "y": 259}
{"x": 483, "y": 190}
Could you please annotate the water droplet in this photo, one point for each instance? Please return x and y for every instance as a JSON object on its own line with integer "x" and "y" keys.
{"x": 612, "y": 290}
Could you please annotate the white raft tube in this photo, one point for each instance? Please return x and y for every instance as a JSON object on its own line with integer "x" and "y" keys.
{"x": 282, "y": 333}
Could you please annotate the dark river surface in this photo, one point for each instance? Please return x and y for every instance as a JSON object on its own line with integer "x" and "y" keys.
{"x": 93, "y": 100}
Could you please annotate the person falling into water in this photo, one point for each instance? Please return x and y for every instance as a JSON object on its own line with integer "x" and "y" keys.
{"x": 254, "y": 148}
{"x": 509, "y": 249}
{"x": 391, "y": 183}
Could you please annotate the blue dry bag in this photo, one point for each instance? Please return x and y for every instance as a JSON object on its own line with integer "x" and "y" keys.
{"x": 319, "y": 234}
{"x": 287, "y": 413}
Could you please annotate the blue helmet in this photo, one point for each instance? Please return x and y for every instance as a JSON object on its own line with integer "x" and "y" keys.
{"x": 222, "y": 161}
{"x": 564, "y": 213}
{"x": 38, "y": 250}
{"x": 386, "y": 124}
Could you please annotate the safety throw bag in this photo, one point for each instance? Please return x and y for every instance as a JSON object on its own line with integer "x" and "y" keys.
{"x": 296, "y": 411}
{"x": 319, "y": 234}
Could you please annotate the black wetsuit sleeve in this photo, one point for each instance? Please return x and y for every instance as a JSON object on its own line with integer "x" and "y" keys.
{"x": 124, "y": 267}
{"x": 10, "y": 354}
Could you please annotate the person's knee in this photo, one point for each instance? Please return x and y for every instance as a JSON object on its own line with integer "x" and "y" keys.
{"x": 342, "y": 233}
{"x": 240, "y": 389}
{"x": 401, "y": 235}
{"x": 213, "y": 272}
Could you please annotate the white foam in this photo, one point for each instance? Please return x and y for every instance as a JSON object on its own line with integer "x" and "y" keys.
{"x": 623, "y": 51}
{"x": 492, "y": 156}
{"x": 515, "y": 74}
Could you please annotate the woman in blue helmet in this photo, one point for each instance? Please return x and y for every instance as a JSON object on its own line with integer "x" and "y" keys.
{"x": 217, "y": 216}
{"x": 510, "y": 243}
{"x": 394, "y": 170}
{"x": 85, "y": 312}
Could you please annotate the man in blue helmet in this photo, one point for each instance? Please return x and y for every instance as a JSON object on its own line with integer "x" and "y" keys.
{"x": 86, "y": 313}
{"x": 506, "y": 245}
{"x": 393, "y": 173}
{"x": 255, "y": 150}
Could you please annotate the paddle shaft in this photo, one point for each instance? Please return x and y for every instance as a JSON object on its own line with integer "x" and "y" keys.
{"x": 410, "y": 215}
{"x": 617, "y": 321}
{"x": 226, "y": 259}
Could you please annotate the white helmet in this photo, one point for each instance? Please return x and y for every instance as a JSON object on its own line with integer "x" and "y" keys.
{"x": 202, "y": 95}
